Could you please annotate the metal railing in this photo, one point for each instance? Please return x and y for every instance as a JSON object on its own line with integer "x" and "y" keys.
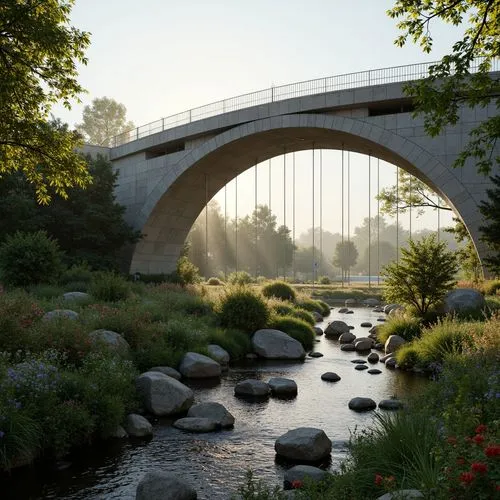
{"x": 310, "y": 87}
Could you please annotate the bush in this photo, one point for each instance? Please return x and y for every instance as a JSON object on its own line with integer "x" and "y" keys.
{"x": 296, "y": 328}
{"x": 239, "y": 278}
{"x": 281, "y": 307}
{"x": 324, "y": 280}
{"x": 310, "y": 305}
{"x": 303, "y": 315}
{"x": 325, "y": 308}
{"x": 243, "y": 309}
{"x": 80, "y": 273}
{"x": 279, "y": 290}
{"x": 30, "y": 258}
{"x": 187, "y": 272}
{"x": 214, "y": 281}
{"x": 491, "y": 287}
{"x": 109, "y": 287}
{"x": 407, "y": 356}
{"x": 235, "y": 342}
{"x": 407, "y": 328}
{"x": 45, "y": 292}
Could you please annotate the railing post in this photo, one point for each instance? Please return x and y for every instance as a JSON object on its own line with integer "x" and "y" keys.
{"x": 272, "y": 94}
{"x": 190, "y": 115}
{"x": 162, "y": 124}
{"x": 137, "y": 133}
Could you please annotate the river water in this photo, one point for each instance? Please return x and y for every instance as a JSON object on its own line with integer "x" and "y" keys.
{"x": 216, "y": 463}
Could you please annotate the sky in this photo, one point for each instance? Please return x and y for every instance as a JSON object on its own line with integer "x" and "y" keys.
{"x": 161, "y": 57}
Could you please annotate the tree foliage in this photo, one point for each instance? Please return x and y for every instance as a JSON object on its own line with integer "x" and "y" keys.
{"x": 425, "y": 272}
{"x": 459, "y": 78}
{"x": 102, "y": 120}
{"x": 346, "y": 255}
{"x": 38, "y": 56}
{"x": 491, "y": 230}
{"x": 88, "y": 226}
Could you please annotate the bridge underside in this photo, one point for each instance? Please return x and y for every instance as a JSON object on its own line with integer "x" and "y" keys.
{"x": 179, "y": 195}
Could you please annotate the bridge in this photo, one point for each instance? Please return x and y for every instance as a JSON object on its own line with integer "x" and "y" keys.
{"x": 164, "y": 166}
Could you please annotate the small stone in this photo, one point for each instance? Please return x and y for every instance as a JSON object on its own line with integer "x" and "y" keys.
{"x": 382, "y": 320}
{"x": 373, "y": 357}
{"x": 373, "y": 371}
{"x": 158, "y": 485}
{"x": 391, "y": 363}
{"x": 390, "y": 404}
{"x": 361, "y": 367}
{"x": 75, "y": 296}
{"x": 347, "y": 338}
{"x": 402, "y": 495}
{"x": 283, "y": 386}
{"x": 350, "y": 312}
{"x": 330, "y": 377}
{"x": 365, "y": 324}
{"x": 305, "y": 444}
{"x": 138, "y": 426}
{"x": 212, "y": 411}
{"x": 300, "y": 472}
{"x": 315, "y": 354}
{"x": 362, "y": 404}
{"x": 252, "y": 388}
{"x": 219, "y": 354}
{"x": 196, "y": 424}
{"x": 317, "y": 330}
{"x": 343, "y": 310}
{"x": 347, "y": 347}
{"x": 60, "y": 313}
{"x": 358, "y": 361}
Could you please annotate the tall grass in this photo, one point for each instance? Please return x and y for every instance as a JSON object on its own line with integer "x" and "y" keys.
{"x": 407, "y": 328}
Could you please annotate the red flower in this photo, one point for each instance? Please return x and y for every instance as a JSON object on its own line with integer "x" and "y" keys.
{"x": 467, "y": 477}
{"x": 493, "y": 450}
{"x": 296, "y": 484}
{"x": 479, "y": 467}
{"x": 481, "y": 428}
{"x": 478, "y": 439}
{"x": 378, "y": 479}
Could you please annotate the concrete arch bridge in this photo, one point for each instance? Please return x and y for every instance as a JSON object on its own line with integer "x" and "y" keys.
{"x": 163, "y": 165}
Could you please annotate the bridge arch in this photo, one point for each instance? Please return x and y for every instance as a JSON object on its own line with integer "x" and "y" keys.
{"x": 179, "y": 196}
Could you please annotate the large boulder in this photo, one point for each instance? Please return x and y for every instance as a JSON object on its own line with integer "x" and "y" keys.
{"x": 163, "y": 395}
{"x": 389, "y": 307}
{"x": 347, "y": 347}
{"x": 283, "y": 386}
{"x": 402, "y": 495}
{"x": 371, "y": 302}
{"x": 347, "y": 338}
{"x": 336, "y": 328}
{"x": 212, "y": 411}
{"x": 194, "y": 365}
{"x": 75, "y": 296}
{"x": 304, "y": 444}
{"x": 112, "y": 340}
{"x": 158, "y": 485}
{"x": 196, "y": 424}
{"x": 463, "y": 300}
{"x": 166, "y": 370}
{"x": 300, "y": 472}
{"x": 252, "y": 388}
{"x": 219, "y": 354}
{"x": 362, "y": 404}
{"x": 275, "y": 344}
{"x": 373, "y": 357}
{"x": 393, "y": 343}
{"x": 60, "y": 313}
{"x": 363, "y": 344}
{"x": 138, "y": 426}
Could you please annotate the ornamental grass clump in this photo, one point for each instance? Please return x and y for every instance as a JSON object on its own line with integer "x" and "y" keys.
{"x": 406, "y": 327}
{"x": 242, "y": 308}
{"x": 279, "y": 290}
{"x": 109, "y": 287}
{"x": 303, "y": 302}
{"x": 296, "y": 328}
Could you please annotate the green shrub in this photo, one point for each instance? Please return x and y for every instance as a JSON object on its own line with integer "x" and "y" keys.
{"x": 81, "y": 273}
{"x": 214, "y": 281}
{"x": 76, "y": 286}
{"x": 30, "y": 258}
{"x": 296, "y": 328}
{"x": 279, "y": 290}
{"x": 239, "y": 278}
{"x": 324, "y": 280}
{"x": 243, "y": 309}
{"x": 235, "y": 342}
{"x": 310, "y": 305}
{"x": 407, "y": 356}
{"x": 109, "y": 287}
{"x": 491, "y": 287}
{"x": 187, "y": 272}
{"x": 303, "y": 315}
{"x": 281, "y": 307}
{"x": 152, "y": 278}
{"x": 407, "y": 328}
{"x": 45, "y": 291}
{"x": 325, "y": 308}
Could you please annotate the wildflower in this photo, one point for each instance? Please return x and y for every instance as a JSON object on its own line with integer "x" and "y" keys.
{"x": 493, "y": 450}
{"x": 452, "y": 440}
{"x": 378, "y": 479}
{"x": 467, "y": 477}
{"x": 296, "y": 484}
{"x": 478, "y": 438}
{"x": 481, "y": 428}
{"x": 479, "y": 467}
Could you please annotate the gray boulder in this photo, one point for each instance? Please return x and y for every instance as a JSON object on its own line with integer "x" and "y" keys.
{"x": 300, "y": 472}
{"x": 336, "y": 328}
{"x": 194, "y": 365}
{"x": 196, "y": 424}
{"x": 363, "y": 344}
{"x": 166, "y": 370}
{"x": 275, "y": 344}
{"x": 119, "y": 433}
{"x": 212, "y": 411}
{"x": 374, "y": 371}
{"x": 304, "y": 444}
{"x": 163, "y": 395}
{"x": 358, "y": 361}
{"x": 347, "y": 347}
{"x": 362, "y": 404}
{"x": 347, "y": 338}
{"x": 390, "y": 404}
{"x": 343, "y": 310}
{"x": 75, "y": 296}
{"x": 315, "y": 354}
{"x": 138, "y": 426}
{"x": 219, "y": 354}
{"x": 393, "y": 343}
{"x": 463, "y": 300}
{"x": 366, "y": 324}
{"x": 330, "y": 377}
{"x": 112, "y": 340}
{"x": 371, "y": 302}
{"x": 402, "y": 495}
{"x": 350, "y": 302}
{"x": 391, "y": 363}
{"x": 389, "y": 307}
{"x": 60, "y": 313}
{"x": 317, "y": 316}
{"x": 361, "y": 367}
{"x": 373, "y": 357}
{"x": 317, "y": 330}
{"x": 283, "y": 386}
{"x": 158, "y": 485}
{"x": 252, "y": 388}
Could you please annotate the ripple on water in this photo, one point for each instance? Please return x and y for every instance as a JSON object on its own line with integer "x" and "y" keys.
{"x": 216, "y": 463}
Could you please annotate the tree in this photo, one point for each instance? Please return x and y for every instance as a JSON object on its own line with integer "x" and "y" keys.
{"x": 345, "y": 256}
{"x": 88, "y": 226}
{"x": 452, "y": 82}
{"x": 38, "y": 56}
{"x": 425, "y": 272}
{"x": 371, "y": 261}
{"x": 104, "y": 119}
{"x": 491, "y": 230}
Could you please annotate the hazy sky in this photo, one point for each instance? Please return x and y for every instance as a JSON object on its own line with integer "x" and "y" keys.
{"x": 160, "y": 57}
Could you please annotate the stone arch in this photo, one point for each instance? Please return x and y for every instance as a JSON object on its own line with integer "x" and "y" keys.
{"x": 179, "y": 196}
